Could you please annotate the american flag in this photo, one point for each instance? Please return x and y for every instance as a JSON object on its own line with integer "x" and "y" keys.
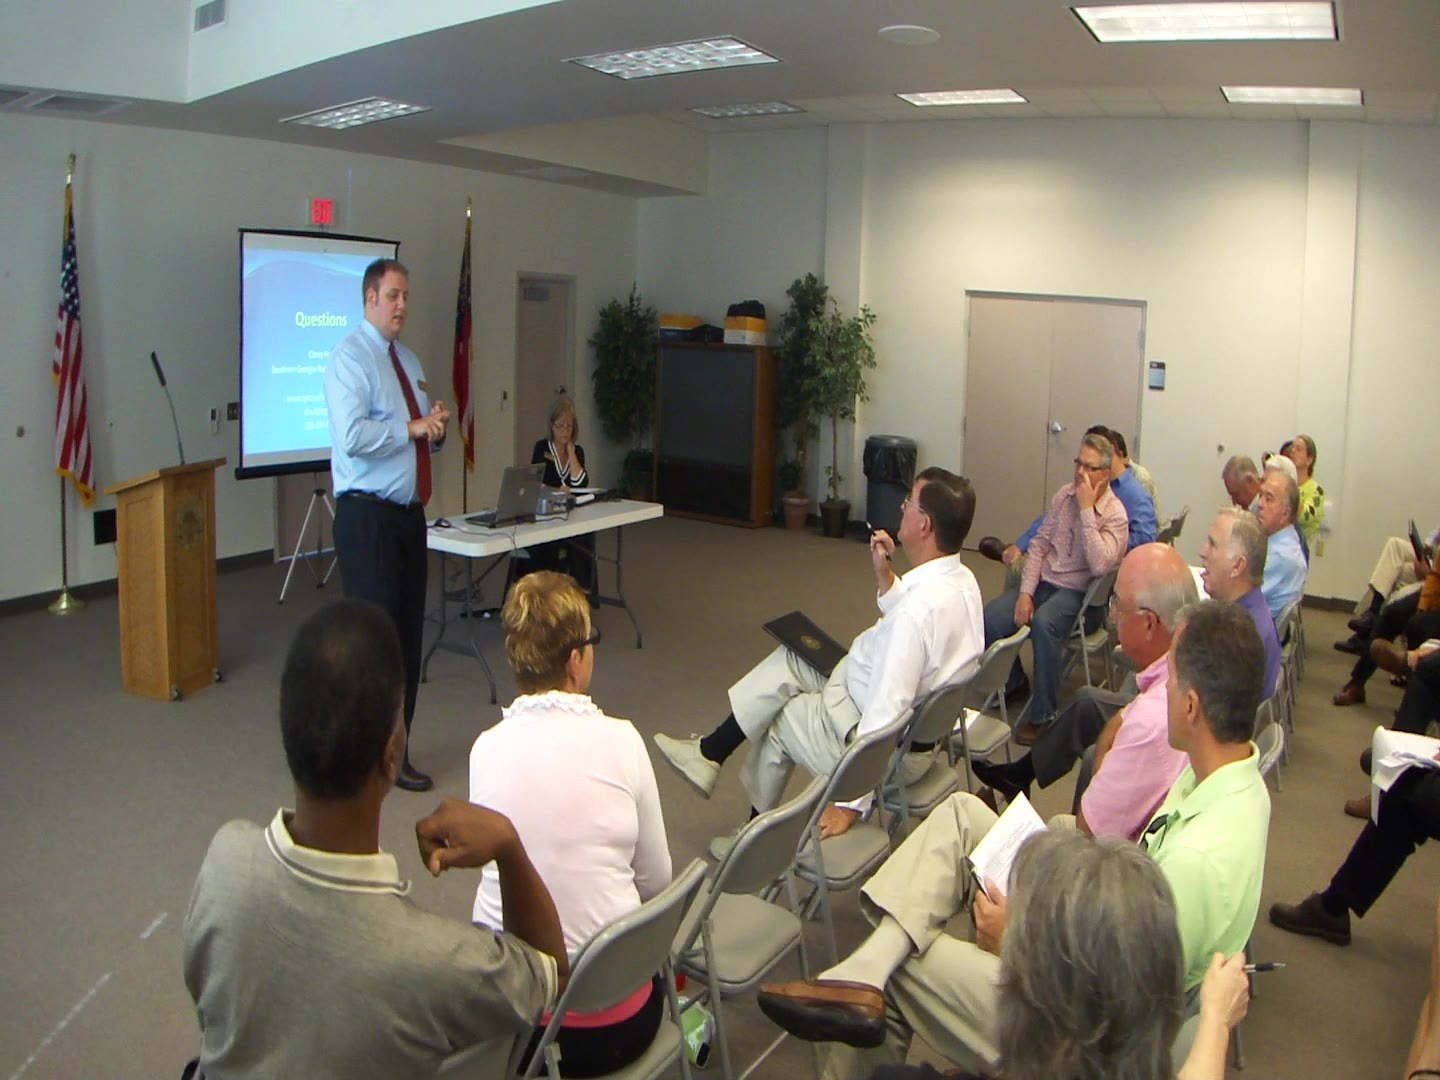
{"x": 460, "y": 373}
{"x": 72, "y": 426}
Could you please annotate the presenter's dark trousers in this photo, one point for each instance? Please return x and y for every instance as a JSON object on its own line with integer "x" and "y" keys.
{"x": 383, "y": 559}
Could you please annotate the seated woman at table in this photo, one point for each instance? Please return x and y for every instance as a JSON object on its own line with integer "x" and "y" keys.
{"x": 579, "y": 788}
{"x": 564, "y": 461}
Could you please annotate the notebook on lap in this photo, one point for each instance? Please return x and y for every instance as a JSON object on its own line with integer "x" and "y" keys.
{"x": 520, "y": 489}
{"x": 806, "y": 640}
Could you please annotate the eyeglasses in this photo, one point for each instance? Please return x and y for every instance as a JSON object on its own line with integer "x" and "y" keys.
{"x": 907, "y": 501}
{"x": 1090, "y": 468}
{"x": 593, "y": 639}
{"x": 1154, "y": 833}
{"x": 1116, "y": 610}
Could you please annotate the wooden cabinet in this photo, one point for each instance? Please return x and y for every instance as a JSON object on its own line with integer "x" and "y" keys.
{"x": 715, "y": 431}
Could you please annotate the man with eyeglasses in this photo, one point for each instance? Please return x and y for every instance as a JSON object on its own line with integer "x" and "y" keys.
{"x": 928, "y": 636}
{"x": 1208, "y": 838}
{"x": 1233, "y": 565}
{"x": 1134, "y": 763}
{"x": 1084, "y": 535}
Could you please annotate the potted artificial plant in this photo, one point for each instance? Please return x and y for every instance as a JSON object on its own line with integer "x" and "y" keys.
{"x": 795, "y": 415}
{"x": 841, "y": 352}
{"x": 624, "y": 344}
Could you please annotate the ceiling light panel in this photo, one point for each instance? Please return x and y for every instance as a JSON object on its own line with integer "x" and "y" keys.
{"x": 762, "y": 108}
{"x": 963, "y": 97}
{"x": 1293, "y": 95}
{"x": 1221, "y": 20}
{"x": 356, "y": 113}
{"x": 683, "y": 56}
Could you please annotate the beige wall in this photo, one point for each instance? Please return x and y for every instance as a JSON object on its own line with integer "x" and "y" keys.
{"x": 1213, "y": 224}
{"x": 158, "y": 213}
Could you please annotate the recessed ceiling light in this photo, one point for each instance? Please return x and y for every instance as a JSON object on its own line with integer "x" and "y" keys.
{"x": 356, "y": 113}
{"x": 762, "y": 108}
{"x": 1222, "y": 20}
{"x": 905, "y": 34}
{"x": 1293, "y": 95}
{"x": 963, "y": 97}
{"x": 683, "y": 56}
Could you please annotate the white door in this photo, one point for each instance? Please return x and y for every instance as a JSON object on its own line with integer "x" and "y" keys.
{"x": 1040, "y": 371}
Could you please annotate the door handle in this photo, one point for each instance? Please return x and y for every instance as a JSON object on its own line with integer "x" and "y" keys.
{"x": 1056, "y": 427}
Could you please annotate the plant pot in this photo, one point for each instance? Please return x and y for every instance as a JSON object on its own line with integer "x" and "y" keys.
{"x": 834, "y": 516}
{"x": 797, "y": 509}
{"x": 637, "y": 475}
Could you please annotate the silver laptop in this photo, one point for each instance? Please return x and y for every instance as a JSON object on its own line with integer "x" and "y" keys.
{"x": 520, "y": 490}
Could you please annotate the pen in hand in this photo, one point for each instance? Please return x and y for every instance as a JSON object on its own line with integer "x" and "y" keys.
{"x": 870, "y": 531}
{"x": 1268, "y": 965}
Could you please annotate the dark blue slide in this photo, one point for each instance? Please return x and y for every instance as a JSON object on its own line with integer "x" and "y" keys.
{"x": 299, "y": 297}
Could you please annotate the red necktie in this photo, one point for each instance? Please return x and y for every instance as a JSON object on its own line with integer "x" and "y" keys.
{"x": 422, "y": 446}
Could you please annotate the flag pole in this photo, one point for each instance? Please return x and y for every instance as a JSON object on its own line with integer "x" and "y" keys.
{"x": 66, "y": 603}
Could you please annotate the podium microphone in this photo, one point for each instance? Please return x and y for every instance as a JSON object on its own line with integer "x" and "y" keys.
{"x": 155, "y": 363}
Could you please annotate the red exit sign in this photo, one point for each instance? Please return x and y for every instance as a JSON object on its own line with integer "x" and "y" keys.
{"x": 322, "y": 211}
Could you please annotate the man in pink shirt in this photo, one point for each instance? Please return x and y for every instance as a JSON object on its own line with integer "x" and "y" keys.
{"x": 1134, "y": 762}
{"x": 1084, "y": 535}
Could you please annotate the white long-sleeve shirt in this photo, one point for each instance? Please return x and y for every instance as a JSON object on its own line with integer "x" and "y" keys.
{"x": 579, "y": 788}
{"x": 931, "y": 634}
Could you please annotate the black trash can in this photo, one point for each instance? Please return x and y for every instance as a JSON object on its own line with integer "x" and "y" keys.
{"x": 890, "y": 469}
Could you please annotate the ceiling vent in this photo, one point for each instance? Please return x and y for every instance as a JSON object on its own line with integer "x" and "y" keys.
{"x": 75, "y": 105}
{"x": 208, "y": 15}
{"x": 552, "y": 172}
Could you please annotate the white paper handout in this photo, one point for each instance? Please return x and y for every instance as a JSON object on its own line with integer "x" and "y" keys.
{"x": 995, "y": 854}
{"x": 1391, "y": 753}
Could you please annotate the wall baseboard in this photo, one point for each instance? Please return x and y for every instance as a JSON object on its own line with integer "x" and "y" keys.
{"x": 95, "y": 590}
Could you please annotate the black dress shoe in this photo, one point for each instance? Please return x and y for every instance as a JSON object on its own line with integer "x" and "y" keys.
{"x": 412, "y": 779}
{"x": 1362, "y": 624}
{"x": 996, "y": 776}
{"x": 992, "y": 547}
{"x": 1354, "y": 645}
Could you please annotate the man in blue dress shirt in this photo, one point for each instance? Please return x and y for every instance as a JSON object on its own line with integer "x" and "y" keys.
{"x": 1285, "y": 568}
{"x": 382, "y": 431}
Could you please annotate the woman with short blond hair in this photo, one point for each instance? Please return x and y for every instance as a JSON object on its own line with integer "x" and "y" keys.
{"x": 579, "y": 788}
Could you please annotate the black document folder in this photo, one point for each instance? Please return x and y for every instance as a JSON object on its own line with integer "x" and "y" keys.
{"x": 806, "y": 640}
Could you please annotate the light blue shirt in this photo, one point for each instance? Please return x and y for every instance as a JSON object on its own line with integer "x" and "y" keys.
{"x": 1139, "y": 508}
{"x": 370, "y": 445}
{"x": 1284, "y": 581}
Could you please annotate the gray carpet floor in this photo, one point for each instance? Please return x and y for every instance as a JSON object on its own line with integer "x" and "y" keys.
{"x": 111, "y": 800}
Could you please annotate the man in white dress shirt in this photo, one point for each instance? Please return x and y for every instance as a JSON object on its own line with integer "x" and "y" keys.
{"x": 929, "y": 635}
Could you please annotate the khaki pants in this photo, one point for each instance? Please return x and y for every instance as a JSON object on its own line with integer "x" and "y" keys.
{"x": 1394, "y": 568}
{"x": 946, "y": 991}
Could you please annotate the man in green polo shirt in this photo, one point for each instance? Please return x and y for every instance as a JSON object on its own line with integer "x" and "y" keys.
{"x": 1209, "y": 835}
{"x": 1208, "y": 838}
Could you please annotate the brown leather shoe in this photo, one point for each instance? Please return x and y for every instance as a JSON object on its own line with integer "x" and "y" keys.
{"x": 827, "y": 1010}
{"x": 1028, "y": 734}
{"x": 1352, "y": 693}
{"x": 1390, "y": 656}
{"x": 1358, "y": 808}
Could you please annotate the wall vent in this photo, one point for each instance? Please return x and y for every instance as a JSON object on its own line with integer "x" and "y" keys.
{"x": 535, "y": 293}
{"x": 208, "y": 15}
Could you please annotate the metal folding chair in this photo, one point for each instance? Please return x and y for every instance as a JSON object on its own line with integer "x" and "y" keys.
{"x": 985, "y": 733}
{"x": 622, "y": 956}
{"x": 931, "y": 723}
{"x": 1078, "y": 644}
{"x": 735, "y": 934}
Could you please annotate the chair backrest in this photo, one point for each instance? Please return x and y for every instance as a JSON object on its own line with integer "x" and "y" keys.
{"x": 1270, "y": 742}
{"x": 1285, "y": 623}
{"x": 765, "y": 848}
{"x": 994, "y": 667}
{"x": 935, "y": 717}
{"x": 630, "y": 950}
{"x": 1097, "y": 594}
{"x": 863, "y": 766}
{"x": 1177, "y": 524}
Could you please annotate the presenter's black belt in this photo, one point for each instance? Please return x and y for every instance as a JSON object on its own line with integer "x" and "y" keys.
{"x": 365, "y": 496}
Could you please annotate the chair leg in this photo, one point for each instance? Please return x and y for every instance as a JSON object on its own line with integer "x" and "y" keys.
{"x": 717, "y": 1006}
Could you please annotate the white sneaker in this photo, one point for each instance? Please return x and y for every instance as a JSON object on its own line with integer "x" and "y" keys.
{"x": 685, "y": 757}
{"x": 721, "y": 845}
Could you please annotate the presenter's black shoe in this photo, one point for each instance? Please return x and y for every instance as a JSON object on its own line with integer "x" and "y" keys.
{"x": 992, "y": 547}
{"x": 412, "y": 779}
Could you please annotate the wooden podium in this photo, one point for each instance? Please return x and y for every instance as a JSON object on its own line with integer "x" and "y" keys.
{"x": 165, "y": 533}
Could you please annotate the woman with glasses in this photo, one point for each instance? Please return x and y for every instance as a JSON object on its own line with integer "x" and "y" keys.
{"x": 578, "y": 786}
{"x": 564, "y": 461}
